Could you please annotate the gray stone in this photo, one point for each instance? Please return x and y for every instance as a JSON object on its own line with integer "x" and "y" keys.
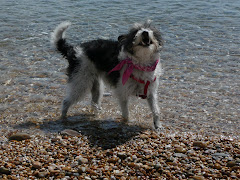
{"x": 220, "y": 154}
{"x": 179, "y": 155}
{"x": 70, "y": 132}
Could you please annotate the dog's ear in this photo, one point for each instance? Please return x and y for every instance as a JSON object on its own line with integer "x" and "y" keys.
{"x": 121, "y": 38}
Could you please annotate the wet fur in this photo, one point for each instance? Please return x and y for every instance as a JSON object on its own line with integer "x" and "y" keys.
{"x": 90, "y": 62}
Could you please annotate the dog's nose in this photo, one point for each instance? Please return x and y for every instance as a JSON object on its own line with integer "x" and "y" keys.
{"x": 145, "y": 38}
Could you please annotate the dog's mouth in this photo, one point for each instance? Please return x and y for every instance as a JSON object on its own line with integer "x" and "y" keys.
{"x": 145, "y": 39}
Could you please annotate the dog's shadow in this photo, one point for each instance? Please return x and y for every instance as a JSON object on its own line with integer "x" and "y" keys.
{"x": 107, "y": 133}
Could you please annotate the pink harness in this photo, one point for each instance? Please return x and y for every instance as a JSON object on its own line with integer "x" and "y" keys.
{"x": 128, "y": 73}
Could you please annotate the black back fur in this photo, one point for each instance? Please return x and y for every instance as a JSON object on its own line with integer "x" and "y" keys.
{"x": 103, "y": 53}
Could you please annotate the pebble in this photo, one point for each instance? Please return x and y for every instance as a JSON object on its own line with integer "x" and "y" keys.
{"x": 36, "y": 165}
{"x": 217, "y": 166}
{"x": 198, "y": 178}
{"x": 180, "y": 150}
{"x": 231, "y": 163}
{"x": 117, "y": 172}
{"x": 122, "y": 155}
{"x": 41, "y": 174}
{"x": 220, "y": 154}
{"x": 112, "y": 160}
{"x": 200, "y": 144}
{"x": 144, "y": 136}
{"x": 70, "y": 132}
{"x": 82, "y": 160}
{"x": 82, "y": 170}
{"x": 180, "y": 155}
{"x": 19, "y": 136}
{"x": 4, "y": 170}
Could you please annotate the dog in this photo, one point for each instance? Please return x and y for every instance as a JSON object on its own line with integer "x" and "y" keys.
{"x": 131, "y": 65}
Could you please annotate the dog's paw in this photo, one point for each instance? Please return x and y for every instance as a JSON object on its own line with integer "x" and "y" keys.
{"x": 158, "y": 125}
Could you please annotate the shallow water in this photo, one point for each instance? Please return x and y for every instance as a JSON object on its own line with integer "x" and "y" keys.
{"x": 199, "y": 88}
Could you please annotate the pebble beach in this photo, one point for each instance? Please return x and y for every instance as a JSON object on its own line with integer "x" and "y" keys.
{"x": 199, "y": 95}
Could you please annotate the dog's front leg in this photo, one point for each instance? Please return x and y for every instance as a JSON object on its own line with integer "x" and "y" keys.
{"x": 124, "y": 108}
{"x": 152, "y": 101}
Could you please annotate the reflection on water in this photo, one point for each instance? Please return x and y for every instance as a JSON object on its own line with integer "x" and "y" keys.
{"x": 200, "y": 86}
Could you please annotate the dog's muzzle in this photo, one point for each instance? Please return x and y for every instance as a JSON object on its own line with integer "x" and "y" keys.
{"x": 146, "y": 41}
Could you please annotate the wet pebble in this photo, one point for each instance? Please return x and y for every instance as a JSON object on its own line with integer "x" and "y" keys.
{"x": 70, "y": 132}
{"x": 20, "y": 136}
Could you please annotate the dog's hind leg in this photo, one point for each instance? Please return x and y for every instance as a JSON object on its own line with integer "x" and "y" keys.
{"x": 153, "y": 104}
{"x": 67, "y": 102}
{"x": 75, "y": 92}
{"x": 97, "y": 93}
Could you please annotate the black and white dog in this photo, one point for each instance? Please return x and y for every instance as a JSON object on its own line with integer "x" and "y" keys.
{"x": 131, "y": 65}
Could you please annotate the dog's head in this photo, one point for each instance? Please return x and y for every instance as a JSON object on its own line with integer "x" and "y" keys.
{"x": 142, "y": 42}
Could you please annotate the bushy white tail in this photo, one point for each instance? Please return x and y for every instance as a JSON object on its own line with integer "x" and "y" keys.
{"x": 58, "y": 33}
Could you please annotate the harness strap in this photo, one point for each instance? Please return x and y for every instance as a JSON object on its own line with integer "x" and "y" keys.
{"x": 128, "y": 73}
{"x": 144, "y": 95}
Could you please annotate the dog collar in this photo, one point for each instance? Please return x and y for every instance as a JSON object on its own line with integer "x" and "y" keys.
{"x": 128, "y": 73}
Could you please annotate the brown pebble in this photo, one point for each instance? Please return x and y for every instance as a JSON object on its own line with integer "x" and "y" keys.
{"x": 146, "y": 167}
{"x": 135, "y": 165}
{"x": 199, "y": 144}
{"x": 53, "y": 140}
{"x": 19, "y": 136}
{"x": 67, "y": 168}
{"x": 92, "y": 172}
{"x": 117, "y": 173}
{"x": 82, "y": 160}
{"x": 36, "y": 165}
{"x": 198, "y": 178}
{"x": 217, "y": 166}
{"x": 113, "y": 160}
{"x": 144, "y": 136}
{"x": 41, "y": 174}
{"x": 4, "y": 170}
{"x": 231, "y": 163}
{"x": 180, "y": 150}
{"x": 122, "y": 155}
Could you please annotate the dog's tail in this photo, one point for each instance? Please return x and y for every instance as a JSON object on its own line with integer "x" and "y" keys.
{"x": 67, "y": 50}
{"x": 57, "y": 37}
